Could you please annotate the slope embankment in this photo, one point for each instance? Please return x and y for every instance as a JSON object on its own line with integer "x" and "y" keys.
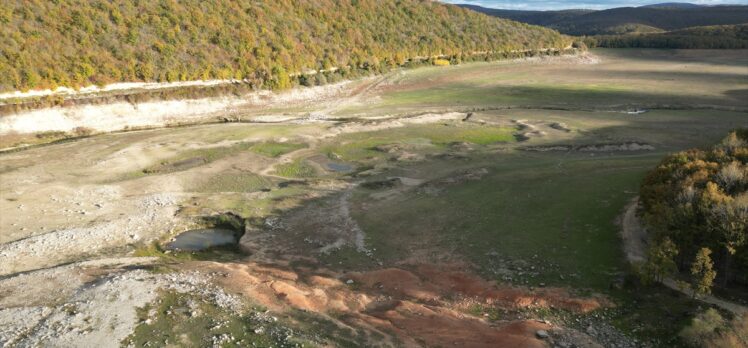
{"x": 123, "y": 115}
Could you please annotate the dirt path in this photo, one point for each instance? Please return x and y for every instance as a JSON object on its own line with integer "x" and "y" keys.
{"x": 634, "y": 237}
{"x": 633, "y": 234}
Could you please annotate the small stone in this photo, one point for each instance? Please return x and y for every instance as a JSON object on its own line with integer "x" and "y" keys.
{"x": 591, "y": 331}
{"x": 349, "y": 281}
{"x": 542, "y": 334}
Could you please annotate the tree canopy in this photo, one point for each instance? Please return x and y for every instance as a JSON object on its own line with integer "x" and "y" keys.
{"x": 712, "y": 37}
{"x": 698, "y": 199}
{"x": 74, "y": 43}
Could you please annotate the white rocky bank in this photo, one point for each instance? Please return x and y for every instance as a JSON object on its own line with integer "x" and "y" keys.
{"x": 122, "y": 115}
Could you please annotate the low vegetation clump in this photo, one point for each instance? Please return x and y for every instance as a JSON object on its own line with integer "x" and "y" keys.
{"x": 710, "y": 329}
{"x": 296, "y": 169}
{"x": 189, "y": 320}
{"x": 235, "y": 182}
{"x": 441, "y": 62}
{"x": 696, "y": 205}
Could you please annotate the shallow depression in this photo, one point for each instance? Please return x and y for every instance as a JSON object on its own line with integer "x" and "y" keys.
{"x": 202, "y": 239}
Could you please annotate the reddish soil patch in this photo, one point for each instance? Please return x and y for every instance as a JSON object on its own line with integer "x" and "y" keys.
{"x": 430, "y": 282}
{"x": 417, "y": 306}
{"x": 433, "y": 326}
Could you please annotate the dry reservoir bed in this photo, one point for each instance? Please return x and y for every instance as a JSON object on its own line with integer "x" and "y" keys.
{"x": 342, "y": 222}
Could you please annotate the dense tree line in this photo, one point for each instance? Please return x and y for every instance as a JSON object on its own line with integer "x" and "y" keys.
{"x": 45, "y": 44}
{"x": 714, "y": 37}
{"x": 695, "y": 204}
{"x": 625, "y": 19}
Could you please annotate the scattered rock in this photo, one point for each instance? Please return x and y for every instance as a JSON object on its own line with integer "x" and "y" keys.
{"x": 560, "y": 126}
{"x": 591, "y": 331}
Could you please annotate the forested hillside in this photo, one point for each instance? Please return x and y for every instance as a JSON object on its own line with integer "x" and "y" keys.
{"x": 544, "y": 18}
{"x": 721, "y": 36}
{"x": 627, "y": 19}
{"x": 81, "y": 42}
{"x": 698, "y": 200}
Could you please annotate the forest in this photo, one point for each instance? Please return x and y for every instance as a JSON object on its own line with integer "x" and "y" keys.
{"x": 76, "y": 43}
{"x": 711, "y": 37}
{"x": 625, "y": 19}
{"x": 696, "y": 205}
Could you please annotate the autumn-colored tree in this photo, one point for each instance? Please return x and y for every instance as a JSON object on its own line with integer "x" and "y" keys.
{"x": 280, "y": 79}
{"x": 702, "y": 273}
{"x": 699, "y": 199}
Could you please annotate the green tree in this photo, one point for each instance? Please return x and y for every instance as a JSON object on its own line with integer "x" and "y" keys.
{"x": 702, "y": 273}
{"x": 660, "y": 259}
{"x": 280, "y": 79}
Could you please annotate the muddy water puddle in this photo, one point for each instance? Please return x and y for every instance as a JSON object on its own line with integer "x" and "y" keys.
{"x": 201, "y": 239}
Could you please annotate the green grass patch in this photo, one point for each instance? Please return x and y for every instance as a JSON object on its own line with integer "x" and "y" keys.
{"x": 195, "y": 158}
{"x": 276, "y": 149}
{"x": 655, "y": 314}
{"x": 547, "y": 220}
{"x": 426, "y": 138}
{"x": 234, "y": 182}
{"x": 296, "y": 169}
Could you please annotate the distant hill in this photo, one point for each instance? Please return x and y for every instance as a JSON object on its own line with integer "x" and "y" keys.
{"x": 75, "y": 43}
{"x": 625, "y": 20}
{"x": 544, "y": 18}
{"x": 673, "y": 5}
{"x": 710, "y": 37}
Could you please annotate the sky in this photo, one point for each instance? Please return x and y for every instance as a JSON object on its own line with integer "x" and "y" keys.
{"x": 586, "y": 4}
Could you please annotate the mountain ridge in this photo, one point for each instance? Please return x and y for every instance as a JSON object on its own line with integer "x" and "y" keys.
{"x": 624, "y": 20}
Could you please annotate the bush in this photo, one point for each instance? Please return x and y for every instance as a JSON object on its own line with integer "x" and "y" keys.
{"x": 702, "y": 327}
{"x": 82, "y": 131}
{"x": 734, "y": 336}
{"x": 441, "y": 62}
{"x": 709, "y": 329}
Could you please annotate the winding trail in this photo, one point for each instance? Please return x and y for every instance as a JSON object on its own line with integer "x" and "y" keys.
{"x": 634, "y": 237}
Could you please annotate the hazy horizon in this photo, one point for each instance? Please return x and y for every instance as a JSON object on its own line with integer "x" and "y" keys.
{"x": 574, "y": 4}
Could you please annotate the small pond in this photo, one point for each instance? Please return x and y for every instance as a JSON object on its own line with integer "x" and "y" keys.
{"x": 330, "y": 165}
{"x": 201, "y": 239}
{"x": 339, "y": 167}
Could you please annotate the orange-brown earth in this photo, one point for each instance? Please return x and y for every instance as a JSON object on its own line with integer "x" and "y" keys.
{"x": 415, "y": 305}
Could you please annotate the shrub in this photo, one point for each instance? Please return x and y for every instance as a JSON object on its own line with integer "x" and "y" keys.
{"x": 709, "y": 329}
{"x": 441, "y": 62}
{"x": 702, "y": 327}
